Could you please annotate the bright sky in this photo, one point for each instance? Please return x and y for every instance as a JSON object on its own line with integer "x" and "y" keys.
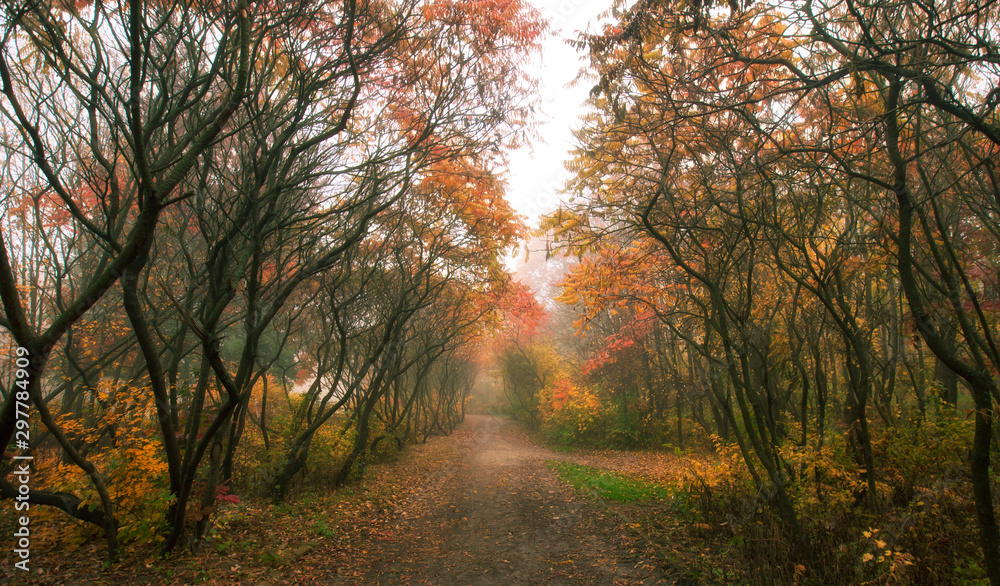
{"x": 536, "y": 172}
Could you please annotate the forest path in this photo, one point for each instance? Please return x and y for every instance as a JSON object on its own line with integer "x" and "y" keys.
{"x": 492, "y": 512}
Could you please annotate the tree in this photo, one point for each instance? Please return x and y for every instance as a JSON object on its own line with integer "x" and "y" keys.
{"x": 113, "y": 175}
{"x": 235, "y": 161}
{"x": 836, "y": 153}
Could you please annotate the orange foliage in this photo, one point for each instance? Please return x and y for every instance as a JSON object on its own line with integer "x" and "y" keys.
{"x": 124, "y": 450}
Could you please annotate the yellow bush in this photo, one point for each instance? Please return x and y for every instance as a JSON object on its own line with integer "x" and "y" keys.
{"x": 124, "y": 447}
{"x": 572, "y": 413}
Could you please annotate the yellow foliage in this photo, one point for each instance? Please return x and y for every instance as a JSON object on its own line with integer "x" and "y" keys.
{"x": 124, "y": 449}
{"x": 568, "y": 408}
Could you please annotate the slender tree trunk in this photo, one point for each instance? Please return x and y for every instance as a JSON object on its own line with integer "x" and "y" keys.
{"x": 980, "y": 381}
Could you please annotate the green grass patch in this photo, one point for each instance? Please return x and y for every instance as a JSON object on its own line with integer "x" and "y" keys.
{"x": 610, "y": 485}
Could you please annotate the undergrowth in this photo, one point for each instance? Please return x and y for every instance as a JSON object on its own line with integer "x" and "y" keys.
{"x": 919, "y": 528}
{"x": 722, "y": 528}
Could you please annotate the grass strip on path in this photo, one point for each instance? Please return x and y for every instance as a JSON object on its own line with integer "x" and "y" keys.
{"x": 608, "y": 485}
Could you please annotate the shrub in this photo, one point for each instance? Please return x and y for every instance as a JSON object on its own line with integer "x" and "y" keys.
{"x": 573, "y": 415}
{"x": 123, "y": 446}
{"x": 917, "y": 530}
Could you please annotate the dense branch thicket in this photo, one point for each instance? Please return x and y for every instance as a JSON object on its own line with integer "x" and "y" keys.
{"x": 232, "y": 231}
{"x": 786, "y": 225}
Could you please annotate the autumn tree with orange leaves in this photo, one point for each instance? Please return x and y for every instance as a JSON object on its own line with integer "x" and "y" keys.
{"x": 804, "y": 195}
{"x": 188, "y": 185}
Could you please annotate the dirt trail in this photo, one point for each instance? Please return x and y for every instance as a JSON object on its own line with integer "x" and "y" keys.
{"x": 493, "y": 513}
